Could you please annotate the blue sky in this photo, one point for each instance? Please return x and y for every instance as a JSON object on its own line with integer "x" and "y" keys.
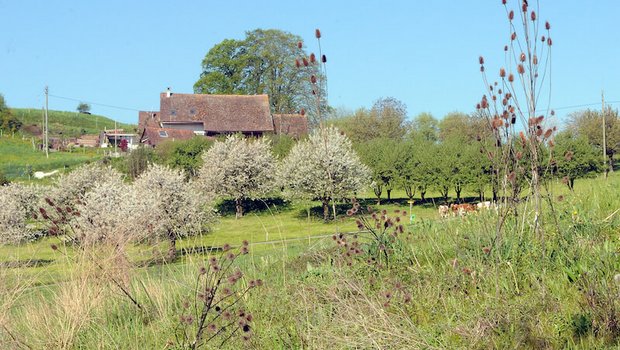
{"x": 424, "y": 53}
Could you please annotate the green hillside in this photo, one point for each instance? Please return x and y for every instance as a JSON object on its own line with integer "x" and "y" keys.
{"x": 18, "y": 158}
{"x": 68, "y": 124}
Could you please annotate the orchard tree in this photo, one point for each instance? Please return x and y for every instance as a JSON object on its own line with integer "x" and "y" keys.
{"x": 424, "y": 127}
{"x": 589, "y": 124}
{"x": 323, "y": 167}
{"x": 386, "y": 159}
{"x": 386, "y": 119}
{"x": 169, "y": 207}
{"x": 262, "y": 63}
{"x": 71, "y": 186}
{"x": 19, "y": 203}
{"x": 238, "y": 168}
{"x": 575, "y": 158}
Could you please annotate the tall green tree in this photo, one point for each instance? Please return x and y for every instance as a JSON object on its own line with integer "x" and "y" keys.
{"x": 264, "y": 62}
{"x": 424, "y": 127}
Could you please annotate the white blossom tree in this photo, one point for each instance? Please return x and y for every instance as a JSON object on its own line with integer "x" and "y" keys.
{"x": 166, "y": 206}
{"x": 18, "y": 204}
{"x": 238, "y": 168}
{"x": 71, "y": 186}
{"x": 324, "y": 167}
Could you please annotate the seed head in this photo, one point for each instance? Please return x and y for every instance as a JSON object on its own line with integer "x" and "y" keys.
{"x": 533, "y": 16}
{"x": 313, "y": 79}
{"x": 481, "y": 60}
{"x": 324, "y": 59}
{"x": 302, "y": 112}
{"x": 522, "y": 57}
{"x": 317, "y": 33}
{"x": 312, "y": 58}
{"x": 305, "y": 61}
{"x": 511, "y": 15}
{"x": 300, "y": 44}
{"x": 547, "y": 25}
{"x": 513, "y": 36}
{"x": 502, "y": 73}
{"x": 520, "y": 69}
{"x": 297, "y": 64}
{"x": 549, "y": 42}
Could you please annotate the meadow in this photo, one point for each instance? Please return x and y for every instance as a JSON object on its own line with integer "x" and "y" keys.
{"x": 449, "y": 283}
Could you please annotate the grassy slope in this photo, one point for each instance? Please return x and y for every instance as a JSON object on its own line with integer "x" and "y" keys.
{"x": 71, "y": 124}
{"x": 17, "y": 157}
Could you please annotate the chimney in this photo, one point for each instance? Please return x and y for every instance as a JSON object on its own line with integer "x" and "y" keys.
{"x": 168, "y": 92}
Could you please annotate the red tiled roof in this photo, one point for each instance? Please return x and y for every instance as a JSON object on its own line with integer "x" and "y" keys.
{"x": 295, "y": 125}
{"x": 151, "y": 136}
{"x": 219, "y": 113}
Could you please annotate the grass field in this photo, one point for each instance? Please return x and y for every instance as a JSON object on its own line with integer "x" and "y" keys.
{"x": 69, "y": 124}
{"x": 451, "y": 284}
{"x": 18, "y": 158}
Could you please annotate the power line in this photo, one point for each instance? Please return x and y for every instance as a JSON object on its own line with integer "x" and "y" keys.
{"x": 95, "y": 103}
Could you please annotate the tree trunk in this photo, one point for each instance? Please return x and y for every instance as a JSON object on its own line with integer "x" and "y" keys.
{"x": 389, "y": 194}
{"x": 325, "y": 210}
{"x": 422, "y": 195}
{"x": 239, "y": 208}
{"x": 172, "y": 250}
{"x": 458, "y": 195}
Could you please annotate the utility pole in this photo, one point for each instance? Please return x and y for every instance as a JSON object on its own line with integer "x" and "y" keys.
{"x": 115, "y": 139}
{"x": 604, "y": 134}
{"x": 46, "y": 124}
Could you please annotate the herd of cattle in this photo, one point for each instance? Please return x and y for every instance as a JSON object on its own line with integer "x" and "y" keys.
{"x": 464, "y": 209}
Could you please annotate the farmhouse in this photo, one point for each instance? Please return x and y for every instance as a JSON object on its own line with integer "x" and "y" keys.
{"x": 182, "y": 116}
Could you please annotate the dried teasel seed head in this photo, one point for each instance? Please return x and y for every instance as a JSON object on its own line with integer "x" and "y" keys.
{"x": 312, "y": 58}
{"x": 481, "y": 60}
{"x": 547, "y": 25}
{"x": 305, "y": 62}
{"x": 552, "y": 112}
{"x": 300, "y": 45}
{"x": 503, "y": 2}
{"x": 511, "y": 15}
{"x": 313, "y": 79}
{"x": 533, "y": 16}
{"x": 548, "y": 133}
{"x": 297, "y": 64}
{"x": 568, "y": 155}
{"x": 317, "y": 33}
{"x": 505, "y": 47}
{"x": 324, "y": 59}
{"x": 535, "y": 59}
{"x": 513, "y": 36}
{"x": 543, "y": 39}
{"x": 502, "y": 72}
{"x": 302, "y": 112}
{"x": 524, "y": 6}
{"x": 522, "y": 57}
{"x": 520, "y": 69}
{"x": 549, "y": 41}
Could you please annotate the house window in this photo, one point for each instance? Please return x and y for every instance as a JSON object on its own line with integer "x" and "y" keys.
{"x": 163, "y": 133}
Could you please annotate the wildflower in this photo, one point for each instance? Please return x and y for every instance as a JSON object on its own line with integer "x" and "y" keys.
{"x": 245, "y": 243}
{"x": 212, "y": 261}
{"x": 230, "y": 256}
{"x": 244, "y": 250}
{"x": 54, "y": 247}
{"x": 212, "y": 327}
{"x": 202, "y": 270}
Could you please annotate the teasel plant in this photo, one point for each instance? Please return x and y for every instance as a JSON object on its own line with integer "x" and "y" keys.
{"x": 517, "y": 109}
{"x": 214, "y": 313}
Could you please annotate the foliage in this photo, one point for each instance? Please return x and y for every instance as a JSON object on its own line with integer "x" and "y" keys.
{"x": 138, "y": 161}
{"x": 280, "y": 145}
{"x": 262, "y": 63}
{"x": 8, "y": 122}
{"x": 589, "y": 124}
{"x": 238, "y": 168}
{"x": 324, "y": 167}
{"x": 575, "y": 157}
{"x": 83, "y": 107}
{"x": 169, "y": 207}
{"x": 184, "y": 155}
{"x": 424, "y": 128}
{"x": 386, "y": 119}
{"x": 387, "y": 158}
